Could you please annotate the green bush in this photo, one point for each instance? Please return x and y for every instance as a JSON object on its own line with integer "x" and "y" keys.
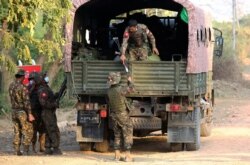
{"x": 4, "y": 103}
{"x": 227, "y": 68}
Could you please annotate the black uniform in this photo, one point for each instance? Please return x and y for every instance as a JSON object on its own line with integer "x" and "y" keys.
{"x": 47, "y": 100}
{"x": 36, "y": 109}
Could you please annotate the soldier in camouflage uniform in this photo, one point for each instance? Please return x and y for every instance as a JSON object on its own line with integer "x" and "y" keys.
{"x": 135, "y": 38}
{"x": 21, "y": 113}
{"x": 38, "y": 126}
{"x": 48, "y": 102}
{"x": 122, "y": 125}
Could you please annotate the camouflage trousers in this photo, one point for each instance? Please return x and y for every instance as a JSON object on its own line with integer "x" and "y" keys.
{"x": 138, "y": 53}
{"x": 52, "y": 133}
{"x": 23, "y": 129}
{"x": 38, "y": 128}
{"x": 123, "y": 131}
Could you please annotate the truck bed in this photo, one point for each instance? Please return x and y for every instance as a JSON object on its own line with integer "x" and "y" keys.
{"x": 150, "y": 78}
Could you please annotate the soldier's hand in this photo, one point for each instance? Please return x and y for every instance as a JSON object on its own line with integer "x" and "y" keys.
{"x": 31, "y": 117}
{"x": 129, "y": 79}
{"x": 155, "y": 51}
{"x": 123, "y": 58}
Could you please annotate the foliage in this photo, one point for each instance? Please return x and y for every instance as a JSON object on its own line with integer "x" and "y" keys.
{"x": 4, "y": 103}
{"x": 226, "y": 68}
{"x": 22, "y": 29}
{"x": 229, "y": 66}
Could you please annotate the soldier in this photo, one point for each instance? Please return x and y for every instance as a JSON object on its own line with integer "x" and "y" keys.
{"x": 135, "y": 38}
{"x": 21, "y": 113}
{"x": 119, "y": 114}
{"x": 48, "y": 102}
{"x": 38, "y": 126}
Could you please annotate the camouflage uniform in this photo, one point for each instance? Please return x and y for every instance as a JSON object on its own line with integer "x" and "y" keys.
{"x": 21, "y": 108}
{"x": 38, "y": 126}
{"x": 47, "y": 100}
{"x": 137, "y": 43}
{"x": 122, "y": 125}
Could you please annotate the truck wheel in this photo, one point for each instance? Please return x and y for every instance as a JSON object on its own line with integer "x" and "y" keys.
{"x": 206, "y": 127}
{"x": 175, "y": 147}
{"x": 85, "y": 146}
{"x": 196, "y": 145}
{"x": 102, "y": 146}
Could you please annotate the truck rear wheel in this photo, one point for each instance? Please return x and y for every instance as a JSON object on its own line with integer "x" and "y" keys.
{"x": 175, "y": 147}
{"x": 85, "y": 146}
{"x": 102, "y": 146}
{"x": 196, "y": 145}
{"x": 206, "y": 126}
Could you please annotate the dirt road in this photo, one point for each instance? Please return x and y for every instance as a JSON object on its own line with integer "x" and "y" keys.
{"x": 229, "y": 143}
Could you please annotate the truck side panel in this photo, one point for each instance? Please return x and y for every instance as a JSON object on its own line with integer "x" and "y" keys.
{"x": 163, "y": 78}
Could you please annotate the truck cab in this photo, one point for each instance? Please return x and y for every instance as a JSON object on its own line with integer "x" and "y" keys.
{"x": 173, "y": 91}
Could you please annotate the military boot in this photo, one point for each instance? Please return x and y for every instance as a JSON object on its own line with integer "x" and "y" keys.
{"x": 34, "y": 147}
{"x": 128, "y": 157}
{"x": 48, "y": 151}
{"x": 117, "y": 155}
{"x": 26, "y": 150}
{"x": 17, "y": 151}
{"x": 57, "y": 151}
{"x": 42, "y": 142}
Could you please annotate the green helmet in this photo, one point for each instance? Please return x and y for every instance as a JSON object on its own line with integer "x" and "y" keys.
{"x": 114, "y": 78}
{"x": 32, "y": 75}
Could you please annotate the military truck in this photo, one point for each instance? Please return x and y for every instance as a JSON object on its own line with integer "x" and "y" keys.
{"x": 173, "y": 95}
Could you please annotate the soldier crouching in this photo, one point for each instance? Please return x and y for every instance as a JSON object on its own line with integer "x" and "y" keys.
{"x": 21, "y": 114}
{"x": 122, "y": 125}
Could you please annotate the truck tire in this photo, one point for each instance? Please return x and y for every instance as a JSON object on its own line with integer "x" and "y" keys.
{"x": 102, "y": 146}
{"x": 206, "y": 126}
{"x": 85, "y": 146}
{"x": 196, "y": 145}
{"x": 175, "y": 147}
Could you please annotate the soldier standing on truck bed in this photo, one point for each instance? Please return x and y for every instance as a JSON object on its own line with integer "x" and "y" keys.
{"x": 21, "y": 113}
{"x": 36, "y": 108}
{"x": 48, "y": 102}
{"x": 135, "y": 38}
{"x": 119, "y": 113}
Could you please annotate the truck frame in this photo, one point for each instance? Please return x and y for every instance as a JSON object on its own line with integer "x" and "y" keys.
{"x": 174, "y": 95}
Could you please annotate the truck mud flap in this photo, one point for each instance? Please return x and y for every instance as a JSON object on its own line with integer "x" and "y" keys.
{"x": 182, "y": 127}
{"x": 90, "y": 133}
{"x": 90, "y": 127}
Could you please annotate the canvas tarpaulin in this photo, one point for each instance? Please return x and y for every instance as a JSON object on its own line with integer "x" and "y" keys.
{"x": 200, "y": 52}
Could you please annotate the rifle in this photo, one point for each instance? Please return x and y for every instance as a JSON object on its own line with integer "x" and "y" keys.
{"x": 62, "y": 91}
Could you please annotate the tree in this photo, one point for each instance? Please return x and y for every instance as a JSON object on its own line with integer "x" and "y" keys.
{"x": 18, "y": 28}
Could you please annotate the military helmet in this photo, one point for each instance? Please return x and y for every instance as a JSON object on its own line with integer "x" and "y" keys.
{"x": 20, "y": 73}
{"x": 132, "y": 22}
{"x": 114, "y": 78}
{"x": 38, "y": 78}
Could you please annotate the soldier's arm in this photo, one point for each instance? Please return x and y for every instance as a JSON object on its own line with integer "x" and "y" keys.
{"x": 129, "y": 88}
{"x": 26, "y": 100}
{"x": 44, "y": 100}
{"x": 151, "y": 40}
{"x": 124, "y": 42}
{"x": 150, "y": 37}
